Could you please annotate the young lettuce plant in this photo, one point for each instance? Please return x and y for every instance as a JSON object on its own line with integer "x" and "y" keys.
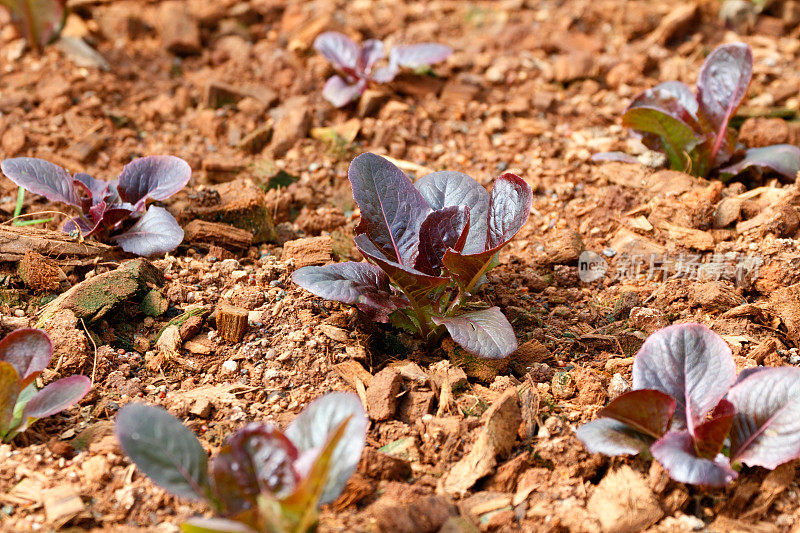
{"x": 693, "y": 130}
{"x": 356, "y": 63}
{"x": 39, "y": 21}
{"x": 428, "y": 245}
{"x": 690, "y": 411}
{"x": 24, "y": 354}
{"x": 262, "y": 480}
{"x": 115, "y": 210}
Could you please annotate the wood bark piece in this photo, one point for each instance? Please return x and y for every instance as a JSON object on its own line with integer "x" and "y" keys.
{"x": 62, "y": 504}
{"x": 223, "y": 235}
{"x": 16, "y": 241}
{"x": 308, "y": 251}
{"x": 241, "y": 204}
{"x": 94, "y": 297}
{"x": 231, "y": 322}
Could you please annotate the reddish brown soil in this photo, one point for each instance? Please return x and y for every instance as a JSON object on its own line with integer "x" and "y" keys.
{"x": 534, "y": 87}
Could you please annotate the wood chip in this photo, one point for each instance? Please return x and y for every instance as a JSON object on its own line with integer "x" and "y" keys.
{"x": 62, "y": 504}
{"x": 231, "y": 322}
{"x": 223, "y": 235}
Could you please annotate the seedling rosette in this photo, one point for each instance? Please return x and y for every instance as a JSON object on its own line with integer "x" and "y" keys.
{"x": 263, "y": 480}
{"x": 24, "y": 354}
{"x": 428, "y": 245}
{"x": 112, "y": 210}
{"x": 357, "y": 63}
{"x": 693, "y": 129}
{"x": 690, "y": 411}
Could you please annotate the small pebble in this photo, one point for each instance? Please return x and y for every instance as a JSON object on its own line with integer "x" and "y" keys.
{"x": 230, "y": 366}
{"x": 19, "y": 313}
{"x": 619, "y": 385}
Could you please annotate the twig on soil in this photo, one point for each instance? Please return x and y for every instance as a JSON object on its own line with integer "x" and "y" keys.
{"x": 94, "y": 345}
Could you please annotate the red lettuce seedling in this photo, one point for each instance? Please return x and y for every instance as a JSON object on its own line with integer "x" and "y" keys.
{"x": 694, "y": 130}
{"x": 24, "y": 353}
{"x": 115, "y": 210}
{"x": 429, "y": 244}
{"x": 262, "y": 479}
{"x": 687, "y": 404}
{"x": 356, "y": 63}
{"x": 39, "y": 21}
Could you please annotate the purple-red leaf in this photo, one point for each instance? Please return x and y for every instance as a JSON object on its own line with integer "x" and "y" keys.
{"x": 95, "y": 189}
{"x": 39, "y": 21}
{"x": 338, "y": 48}
{"x": 157, "y": 177}
{"x": 56, "y": 397}
{"x": 258, "y": 458}
{"x": 9, "y": 391}
{"x": 101, "y": 216}
{"x": 41, "y": 177}
{"x": 392, "y": 210}
{"x": 384, "y": 74}
{"x": 155, "y": 233}
{"x": 766, "y": 428}
{"x": 709, "y": 437}
{"x": 361, "y": 284}
{"x": 339, "y": 92}
{"x": 781, "y": 158}
{"x": 721, "y": 87}
{"x": 675, "y": 451}
{"x": 485, "y": 333}
{"x": 371, "y": 52}
{"x": 689, "y": 362}
{"x": 82, "y": 225}
{"x": 509, "y": 207}
{"x": 313, "y": 426}
{"x": 467, "y": 269}
{"x": 28, "y": 350}
{"x": 671, "y": 97}
{"x": 447, "y": 189}
{"x": 414, "y": 284}
{"x": 443, "y": 229}
{"x": 419, "y": 55}
{"x": 164, "y": 449}
{"x": 647, "y": 411}
{"x": 723, "y": 81}
{"x": 747, "y": 372}
{"x": 612, "y": 437}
